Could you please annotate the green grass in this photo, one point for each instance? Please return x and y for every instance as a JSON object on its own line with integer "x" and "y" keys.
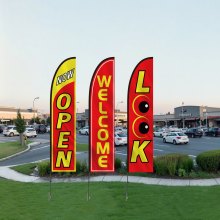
{"x": 30, "y": 201}
{"x": 10, "y": 148}
{"x": 29, "y": 168}
{"x": 25, "y": 168}
{"x": 82, "y": 147}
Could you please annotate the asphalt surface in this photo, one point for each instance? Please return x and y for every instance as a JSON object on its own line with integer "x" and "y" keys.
{"x": 42, "y": 151}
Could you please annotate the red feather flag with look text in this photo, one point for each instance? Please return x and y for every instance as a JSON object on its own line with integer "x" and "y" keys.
{"x": 140, "y": 118}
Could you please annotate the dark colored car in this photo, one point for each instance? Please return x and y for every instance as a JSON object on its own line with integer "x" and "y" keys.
{"x": 40, "y": 128}
{"x": 194, "y": 132}
{"x": 213, "y": 132}
{"x": 2, "y": 127}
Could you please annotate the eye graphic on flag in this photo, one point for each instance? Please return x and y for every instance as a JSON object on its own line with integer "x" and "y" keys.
{"x": 140, "y": 118}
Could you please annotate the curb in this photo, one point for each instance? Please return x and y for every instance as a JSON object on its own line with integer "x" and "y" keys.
{"x": 134, "y": 179}
{"x": 28, "y": 148}
{"x": 7, "y": 173}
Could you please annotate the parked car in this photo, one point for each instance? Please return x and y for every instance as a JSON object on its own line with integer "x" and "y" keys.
{"x": 213, "y": 132}
{"x": 204, "y": 130}
{"x": 125, "y": 131}
{"x": 194, "y": 132}
{"x": 176, "y": 138}
{"x": 160, "y": 133}
{"x": 30, "y": 132}
{"x": 2, "y": 127}
{"x": 10, "y": 131}
{"x": 29, "y": 126}
{"x": 183, "y": 130}
{"x": 84, "y": 130}
{"x": 173, "y": 128}
{"x": 40, "y": 128}
{"x": 121, "y": 139}
{"x": 48, "y": 128}
{"x": 118, "y": 129}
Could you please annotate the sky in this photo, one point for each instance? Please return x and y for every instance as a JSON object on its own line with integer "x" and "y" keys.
{"x": 182, "y": 36}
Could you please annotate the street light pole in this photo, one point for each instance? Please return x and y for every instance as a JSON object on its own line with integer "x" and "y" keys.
{"x": 206, "y": 114}
{"x": 206, "y": 118}
{"x": 116, "y": 109}
{"x": 77, "y": 125}
{"x": 77, "y": 107}
{"x": 33, "y": 107}
{"x": 183, "y": 116}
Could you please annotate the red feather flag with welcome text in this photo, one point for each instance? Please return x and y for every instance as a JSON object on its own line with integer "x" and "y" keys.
{"x": 140, "y": 118}
{"x": 101, "y": 107}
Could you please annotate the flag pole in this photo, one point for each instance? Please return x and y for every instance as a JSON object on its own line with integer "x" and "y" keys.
{"x": 88, "y": 192}
{"x": 50, "y": 190}
{"x": 126, "y": 189}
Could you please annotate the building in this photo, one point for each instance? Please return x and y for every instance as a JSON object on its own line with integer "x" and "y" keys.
{"x": 190, "y": 116}
{"x": 8, "y": 114}
{"x": 120, "y": 118}
{"x": 82, "y": 119}
{"x": 165, "y": 120}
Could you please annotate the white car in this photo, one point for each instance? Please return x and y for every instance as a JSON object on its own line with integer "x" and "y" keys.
{"x": 176, "y": 138}
{"x": 173, "y": 129}
{"x": 48, "y": 128}
{"x": 84, "y": 130}
{"x": 118, "y": 129}
{"x": 183, "y": 130}
{"x": 10, "y": 131}
{"x": 125, "y": 131}
{"x": 160, "y": 133}
{"x": 120, "y": 139}
{"x": 30, "y": 132}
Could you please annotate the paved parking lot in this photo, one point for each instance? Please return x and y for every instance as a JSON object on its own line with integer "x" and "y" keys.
{"x": 193, "y": 148}
{"x": 41, "y": 152}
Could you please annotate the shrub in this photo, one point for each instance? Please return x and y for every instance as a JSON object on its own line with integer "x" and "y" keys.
{"x": 209, "y": 160}
{"x": 181, "y": 172}
{"x": 160, "y": 167}
{"x": 117, "y": 163}
{"x": 44, "y": 168}
{"x": 170, "y": 164}
{"x": 78, "y": 167}
{"x": 186, "y": 163}
{"x": 84, "y": 167}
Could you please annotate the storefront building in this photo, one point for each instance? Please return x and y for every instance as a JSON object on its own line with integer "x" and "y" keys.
{"x": 8, "y": 114}
{"x": 190, "y": 116}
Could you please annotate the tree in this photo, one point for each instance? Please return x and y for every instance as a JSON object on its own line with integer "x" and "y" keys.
{"x": 42, "y": 122}
{"x": 48, "y": 120}
{"x": 35, "y": 120}
{"x": 20, "y": 126}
